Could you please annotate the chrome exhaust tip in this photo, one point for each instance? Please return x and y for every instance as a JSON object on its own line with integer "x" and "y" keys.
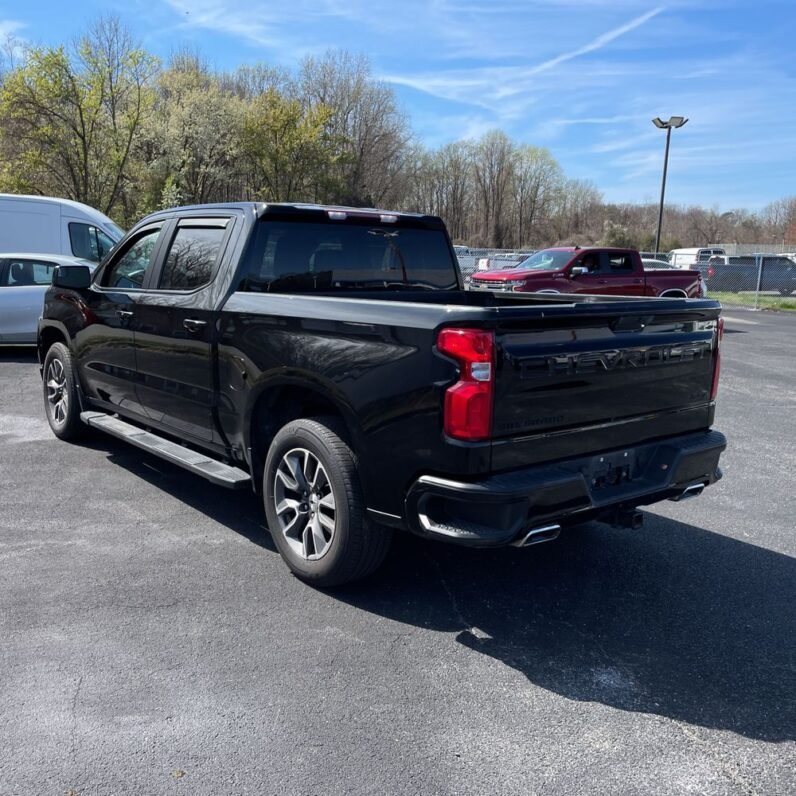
{"x": 544, "y": 533}
{"x": 692, "y": 491}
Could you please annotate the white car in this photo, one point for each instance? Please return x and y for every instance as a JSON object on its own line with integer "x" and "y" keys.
{"x": 24, "y": 279}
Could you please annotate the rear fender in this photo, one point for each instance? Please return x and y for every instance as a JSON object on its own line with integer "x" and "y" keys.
{"x": 274, "y": 402}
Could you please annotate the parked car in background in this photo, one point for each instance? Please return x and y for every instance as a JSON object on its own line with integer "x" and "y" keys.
{"x": 461, "y": 251}
{"x": 654, "y": 256}
{"x": 24, "y": 279}
{"x": 688, "y": 258}
{"x": 745, "y": 272}
{"x": 48, "y": 225}
{"x": 617, "y": 272}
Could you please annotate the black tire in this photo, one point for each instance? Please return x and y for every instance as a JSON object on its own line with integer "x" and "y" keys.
{"x": 61, "y": 402}
{"x": 785, "y": 291}
{"x": 355, "y": 546}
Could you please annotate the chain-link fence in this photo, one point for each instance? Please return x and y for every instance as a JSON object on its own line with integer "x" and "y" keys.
{"x": 760, "y": 281}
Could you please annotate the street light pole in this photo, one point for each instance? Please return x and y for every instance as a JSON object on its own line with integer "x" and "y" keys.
{"x": 674, "y": 121}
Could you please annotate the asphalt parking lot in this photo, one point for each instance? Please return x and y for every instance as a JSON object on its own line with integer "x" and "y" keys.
{"x": 153, "y": 641}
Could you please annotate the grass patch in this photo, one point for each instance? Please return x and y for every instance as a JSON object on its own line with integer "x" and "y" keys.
{"x": 765, "y": 302}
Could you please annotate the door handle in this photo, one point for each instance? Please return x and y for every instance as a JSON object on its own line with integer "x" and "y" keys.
{"x": 194, "y": 324}
{"x": 124, "y": 314}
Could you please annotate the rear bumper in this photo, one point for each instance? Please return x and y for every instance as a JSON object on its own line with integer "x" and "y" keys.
{"x": 502, "y": 508}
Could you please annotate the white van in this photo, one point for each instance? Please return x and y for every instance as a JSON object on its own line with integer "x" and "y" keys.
{"x": 688, "y": 258}
{"x": 46, "y": 225}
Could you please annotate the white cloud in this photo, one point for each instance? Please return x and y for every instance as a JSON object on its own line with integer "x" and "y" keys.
{"x": 9, "y": 28}
{"x": 275, "y": 26}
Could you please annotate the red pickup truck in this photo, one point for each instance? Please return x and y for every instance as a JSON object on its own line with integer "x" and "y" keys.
{"x": 590, "y": 270}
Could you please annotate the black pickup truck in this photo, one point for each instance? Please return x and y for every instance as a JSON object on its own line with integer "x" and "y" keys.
{"x": 330, "y": 359}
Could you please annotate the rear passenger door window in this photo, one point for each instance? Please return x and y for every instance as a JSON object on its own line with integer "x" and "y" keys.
{"x": 193, "y": 254}
{"x": 617, "y": 263}
{"x": 26, "y": 273}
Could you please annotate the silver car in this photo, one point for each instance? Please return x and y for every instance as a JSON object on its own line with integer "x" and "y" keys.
{"x": 24, "y": 279}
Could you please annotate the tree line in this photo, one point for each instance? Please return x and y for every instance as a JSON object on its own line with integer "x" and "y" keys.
{"x": 104, "y": 122}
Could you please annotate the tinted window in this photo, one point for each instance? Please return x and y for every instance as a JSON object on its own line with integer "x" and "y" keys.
{"x": 618, "y": 263}
{"x": 21, "y": 273}
{"x": 89, "y": 242}
{"x": 192, "y": 255}
{"x": 300, "y": 257}
{"x": 129, "y": 270}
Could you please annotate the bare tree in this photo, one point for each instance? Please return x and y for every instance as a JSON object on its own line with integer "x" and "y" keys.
{"x": 494, "y": 162}
{"x": 372, "y": 133}
{"x": 537, "y": 178}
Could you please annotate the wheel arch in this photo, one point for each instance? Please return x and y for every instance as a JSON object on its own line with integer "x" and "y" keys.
{"x": 674, "y": 293}
{"x": 50, "y": 332}
{"x": 277, "y": 403}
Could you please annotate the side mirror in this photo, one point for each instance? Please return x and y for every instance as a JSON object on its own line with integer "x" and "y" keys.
{"x": 74, "y": 277}
{"x": 577, "y": 270}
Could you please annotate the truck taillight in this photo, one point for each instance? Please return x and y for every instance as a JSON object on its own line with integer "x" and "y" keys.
{"x": 711, "y": 272}
{"x": 468, "y": 403}
{"x": 714, "y": 390}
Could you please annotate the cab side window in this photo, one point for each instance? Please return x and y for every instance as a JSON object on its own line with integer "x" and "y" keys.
{"x": 193, "y": 254}
{"x": 129, "y": 269}
{"x": 617, "y": 263}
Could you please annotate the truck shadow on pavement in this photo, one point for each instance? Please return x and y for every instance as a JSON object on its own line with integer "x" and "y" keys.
{"x": 671, "y": 620}
{"x": 19, "y": 354}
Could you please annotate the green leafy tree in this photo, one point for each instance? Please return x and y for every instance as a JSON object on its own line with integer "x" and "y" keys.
{"x": 287, "y": 147}
{"x": 72, "y": 119}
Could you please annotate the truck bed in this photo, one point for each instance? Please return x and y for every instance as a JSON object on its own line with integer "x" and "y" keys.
{"x": 573, "y": 373}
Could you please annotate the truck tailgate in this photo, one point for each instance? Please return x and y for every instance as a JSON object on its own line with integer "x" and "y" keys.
{"x": 597, "y": 378}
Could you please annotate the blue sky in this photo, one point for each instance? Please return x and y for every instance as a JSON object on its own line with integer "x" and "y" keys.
{"x": 581, "y": 77}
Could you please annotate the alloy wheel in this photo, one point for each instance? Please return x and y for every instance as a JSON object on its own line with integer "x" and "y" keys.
{"x": 305, "y": 504}
{"x": 56, "y": 391}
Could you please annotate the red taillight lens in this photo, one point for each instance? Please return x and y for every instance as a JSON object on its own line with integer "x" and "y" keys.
{"x": 714, "y": 390}
{"x": 468, "y": 403}
{"x": 711, "y": 272}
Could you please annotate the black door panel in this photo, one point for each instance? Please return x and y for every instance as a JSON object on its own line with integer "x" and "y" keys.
{"x": 105, "y": 347}
{"x": 175, "y": 330}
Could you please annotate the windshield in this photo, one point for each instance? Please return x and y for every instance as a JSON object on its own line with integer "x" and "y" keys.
{"x": 297, "y": 256}
{"x": 545, "y": 260}
{"x": 115, "y": 232}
